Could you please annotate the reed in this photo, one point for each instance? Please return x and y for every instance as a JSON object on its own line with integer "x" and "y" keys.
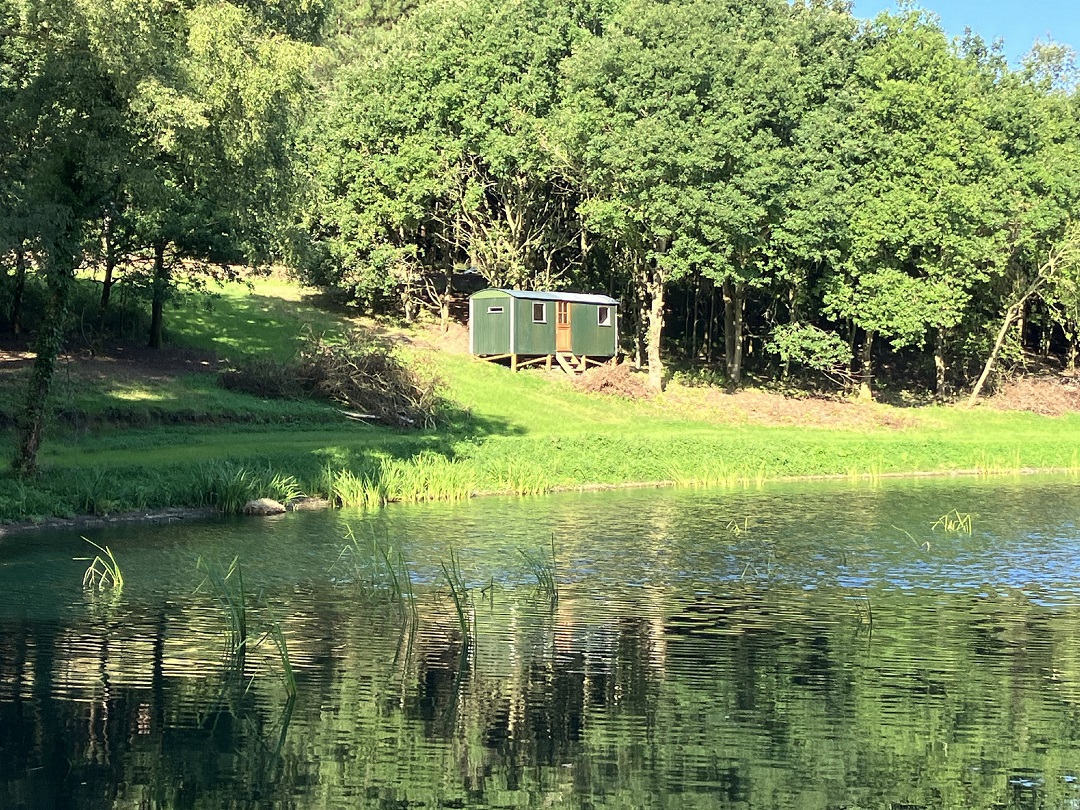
{"x": 228, "y": 588}
{"x": 104, "y": 572}
{"x": 281, "y": 486}
{"x": 736, "y": 528}
{"x": 278, "y": 637}
{"x": 865, "y": 613}
{"x": 356, "y": 490}
{"x": 94, "y": 492}
{"x": 459, "y": 594}
{"x": 954, "y": 522}
{"x": 428, "y": 477}
{"x": 925, "y": 545}
{"x": 227, "y": 486}
{"x": 381, "y": 575}
{"x": 705, "y": 474}
{"x": 521, "y": 478}
{"x": 545, "y": 572}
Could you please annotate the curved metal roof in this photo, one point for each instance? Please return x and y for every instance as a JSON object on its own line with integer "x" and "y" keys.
{"x": 541, "y": 295}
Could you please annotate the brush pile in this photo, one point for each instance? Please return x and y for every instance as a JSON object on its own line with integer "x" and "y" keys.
{"x": 357, "y": 371}
{"x": 1049, "y": 395}
{"x": 364, "y": 374}
{"x": 615, "y": 379}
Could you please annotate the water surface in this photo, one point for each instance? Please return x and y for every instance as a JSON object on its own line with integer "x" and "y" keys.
{"x": 801, "y": 646}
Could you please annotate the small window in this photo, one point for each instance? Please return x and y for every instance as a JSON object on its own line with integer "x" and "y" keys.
{"x": 495, "y": 310}
{"x": 539, "y": 313}
{"x": 603, "y": 316}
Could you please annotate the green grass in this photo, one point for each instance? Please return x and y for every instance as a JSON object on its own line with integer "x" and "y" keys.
{"x": 238, "y": 320}
{"x": 522, "y": 434}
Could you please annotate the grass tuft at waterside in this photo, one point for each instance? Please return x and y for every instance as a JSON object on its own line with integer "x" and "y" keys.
{"x": 519, "y": 434}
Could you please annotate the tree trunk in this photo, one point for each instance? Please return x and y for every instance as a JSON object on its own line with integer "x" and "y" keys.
{"x": 866, "y": 371}
{"x": 729, "y": 327}
{"x": 696, "y": 319}
{"x": 160, "y": 290}
{"x": 656, "y": 327}
{"x": 17, "y": 293}
{"x": 640, "y": 338}
{"x": 50, "y": 338}
{"x": 445, "y": 299}
{"x": 940, "y": 369}
{"x": 739, "y": 308}
{"x": 1012, "y": 314}
{"x": 110, "y": 266}
{"x": 712, "y": 324}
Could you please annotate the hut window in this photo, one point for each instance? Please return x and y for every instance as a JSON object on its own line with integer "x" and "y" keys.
{"x": 495, "y": 310}
{"x": 603, "y": 316}
{"x": 539, "y": 313}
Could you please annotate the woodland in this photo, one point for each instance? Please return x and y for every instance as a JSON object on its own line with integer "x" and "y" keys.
{"x": 771, "y": 189}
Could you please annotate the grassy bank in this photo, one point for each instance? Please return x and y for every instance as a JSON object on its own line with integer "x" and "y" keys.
{"x": 132, "y": 443}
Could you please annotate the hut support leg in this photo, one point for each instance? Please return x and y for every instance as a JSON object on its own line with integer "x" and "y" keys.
{"x": 513, "y": 362}
{"x": 547, "y": 363}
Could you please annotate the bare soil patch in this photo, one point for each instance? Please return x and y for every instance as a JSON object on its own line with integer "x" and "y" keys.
{"x": 758, "y": 407}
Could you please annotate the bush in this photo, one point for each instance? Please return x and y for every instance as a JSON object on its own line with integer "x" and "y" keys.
{"x": 813, "y": 348}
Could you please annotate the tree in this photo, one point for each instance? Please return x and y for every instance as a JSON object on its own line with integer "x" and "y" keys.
{"x": 678, "y": 116}
{"x": 926, "y": 202}
{"x": 434, "y": 152}
{"x": 168, "y": 120}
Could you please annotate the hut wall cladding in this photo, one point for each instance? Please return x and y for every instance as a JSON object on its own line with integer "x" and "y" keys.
{"x": 589, "y": 337}
{"x": 490, "y": 330}
{"x": 530, "y": 337}
{"x": 502, "y": 322}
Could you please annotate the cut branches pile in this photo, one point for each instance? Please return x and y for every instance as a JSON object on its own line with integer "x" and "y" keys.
{"x": 357, "y": 371}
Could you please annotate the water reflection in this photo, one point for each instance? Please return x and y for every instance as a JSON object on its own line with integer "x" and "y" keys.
{"x": 795, "y": 647}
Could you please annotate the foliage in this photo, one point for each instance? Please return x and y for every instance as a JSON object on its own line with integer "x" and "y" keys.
{"x": 104, "y": 572}
{"x": 816, "y": 349}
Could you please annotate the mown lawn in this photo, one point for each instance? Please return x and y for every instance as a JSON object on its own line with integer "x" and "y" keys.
{"x": 149, "y": 443}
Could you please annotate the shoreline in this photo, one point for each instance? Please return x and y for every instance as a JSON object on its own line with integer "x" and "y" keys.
{"x": 175, "y": 514}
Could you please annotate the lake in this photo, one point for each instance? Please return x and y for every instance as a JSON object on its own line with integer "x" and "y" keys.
{"x": 908, "y": 644}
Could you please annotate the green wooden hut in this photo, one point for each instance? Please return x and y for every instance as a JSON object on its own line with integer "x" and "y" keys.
{"x": 524, "y": 327}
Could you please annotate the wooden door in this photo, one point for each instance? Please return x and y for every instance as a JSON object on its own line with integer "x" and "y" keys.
{"x": 563, "y": 340}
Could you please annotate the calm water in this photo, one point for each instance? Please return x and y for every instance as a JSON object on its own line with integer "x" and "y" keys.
{"x": 796, "y": 647}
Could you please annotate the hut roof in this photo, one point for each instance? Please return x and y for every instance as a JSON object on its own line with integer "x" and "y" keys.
{"x": 576, "y": 298}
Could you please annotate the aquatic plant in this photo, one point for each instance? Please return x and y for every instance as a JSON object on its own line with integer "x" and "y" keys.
{"x": 227, "y": 485}
{"x": 94, "y": 492}
{"x": 544, "y": 570}
{"x": 228, "y": 587}
{"x": 459, "y": 594}
{"x": 737, "y": 528}
{"x": 953, "y": 522}
{"x": 278, "y": 637}
{"x": 925, "y": 545}
{"x": 381, "y": 575}
{"x": 864, "y": 612}
{"x": 428, "y": 477}
{"x": 348, "y": 489}
{"x": 104, "y": 572}
{"x": 282, "y": 487}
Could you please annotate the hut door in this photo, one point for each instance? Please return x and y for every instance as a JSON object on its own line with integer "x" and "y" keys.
{"x": 563, "y": 341}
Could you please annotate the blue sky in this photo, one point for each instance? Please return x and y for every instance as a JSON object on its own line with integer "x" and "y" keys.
{"x": 1019, "y": 24}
